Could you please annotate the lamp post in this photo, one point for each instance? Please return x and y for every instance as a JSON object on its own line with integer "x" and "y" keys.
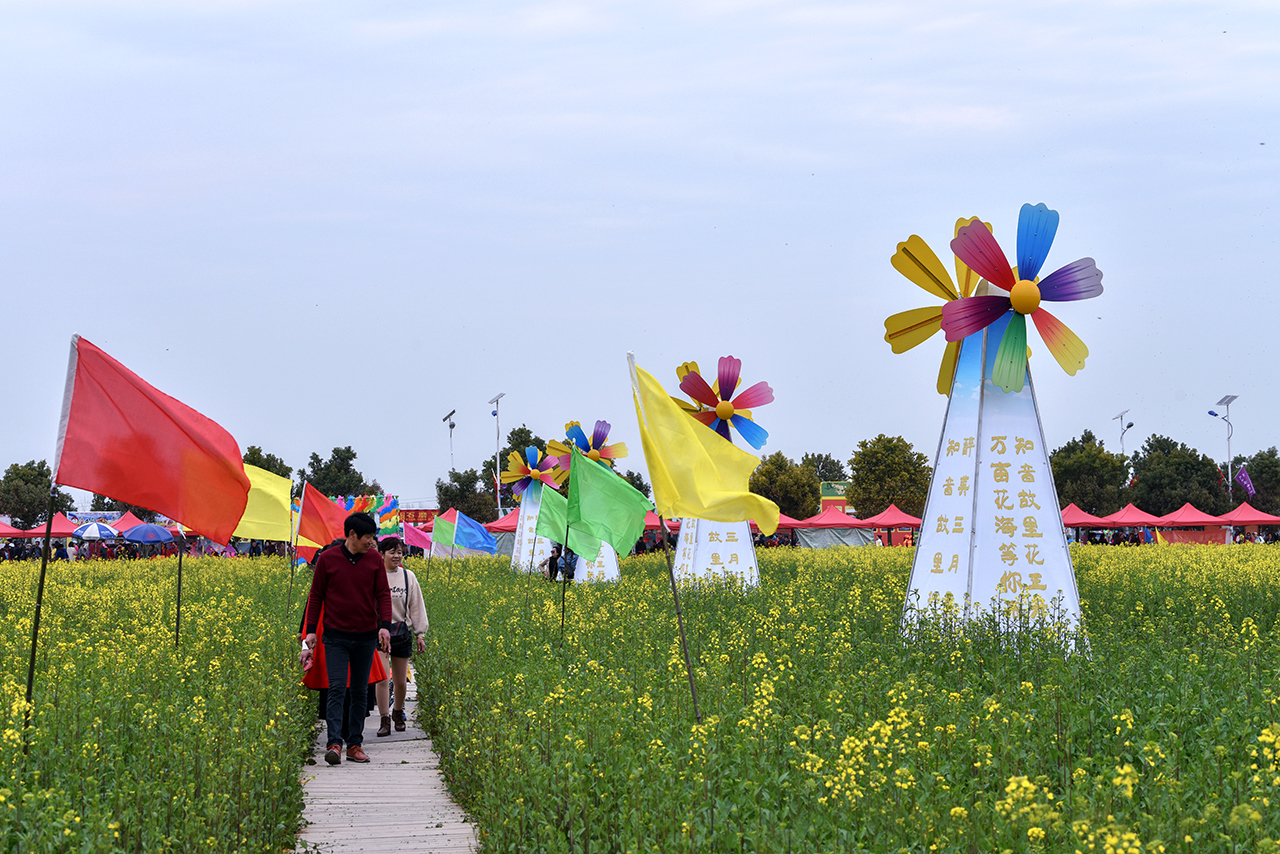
{"x": 497, "y": 451}
{"x": 448, "y": 419}
{"x": 1226, "y": 403}
{"x": 1124, "y": 428}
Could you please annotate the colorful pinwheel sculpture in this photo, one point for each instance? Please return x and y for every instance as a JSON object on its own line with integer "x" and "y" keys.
{"x": 915, "y": 260}
{"x": 974, "y": 245}
{"x": 720, "y": 411}
{"x": 534, "y": 466}
{"x": 593, "y": 448}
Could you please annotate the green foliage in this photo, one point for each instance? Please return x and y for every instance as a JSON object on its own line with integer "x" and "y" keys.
{"x": 887, "y": 470}
{"x": 517, "y": 440}
{"x": 254, "y": 456}
{"x": 825, "y": 467}
{"x": 465, "y": 491}
{"x": 637, "y": 480}
{"x": 24, "y": 494}
{"x": 824, "y": 728}
{"x": 1168, "y": 474}
{"x": 1264, "y": 474}
{"x": 136, "y": 745}
{"x": 794, "y": 488}
{"x": 102, "y": 503}
{"x": 1088, "y": 476}
{"x": 338, "y": 476}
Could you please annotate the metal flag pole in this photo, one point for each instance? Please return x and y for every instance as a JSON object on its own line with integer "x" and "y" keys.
{"x": 684, "y": 644}
{"x": 35, "y": 622}
{"x": 177, "y": 622}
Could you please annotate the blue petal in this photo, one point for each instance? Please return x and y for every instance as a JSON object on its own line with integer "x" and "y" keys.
{"x": 1036, "y": 227}
{"x": 755, "y": 435}
{"x": 575, "y": 435}
{"x": 531, "y": 454}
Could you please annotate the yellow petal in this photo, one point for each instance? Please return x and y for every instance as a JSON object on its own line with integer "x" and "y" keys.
{"x": 687, "y": 368}
{"x": 947, "y": 372}
{"x": 915, "y": 260}
{"x": 906, "y": 329}
{"x": 967, "y": 279}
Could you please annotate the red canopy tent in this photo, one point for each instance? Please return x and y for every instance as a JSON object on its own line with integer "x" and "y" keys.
{"x": 785, "y": 523}
{"x": 1129, "y": 517}
{"x": 651, "y": 523}
{"x": 127, "y": 521}
{"x": 1246, "y": 515}
{"x": 10, "y": 531}
{"x": 62, "y": 527}
{"x": 832, "y": 517}
{"x": 1074, "y": 517}
{"x": 1187, "y": 516}
{"x": 506, "y": 525}
{"x": 890, "y": 517}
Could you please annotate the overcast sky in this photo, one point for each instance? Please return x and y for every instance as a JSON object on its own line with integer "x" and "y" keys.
{"x": 329, "y": 224}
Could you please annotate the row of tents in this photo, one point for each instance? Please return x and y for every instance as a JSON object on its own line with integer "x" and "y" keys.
{"x": 64, "y": 528}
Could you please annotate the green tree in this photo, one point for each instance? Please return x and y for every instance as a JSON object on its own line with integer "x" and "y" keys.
{"x": 637, "y": 480}
{"x": 517, "y": 440}
{"x": 793, "y": 487}
{"x": 825, "y": 467}
{"x": 1264, "y": 474}
{"x": 102, "y": 503}
{"x": 465, "y": 491}
{"x": 24, "y": 494}
{"x": 887, "y": 470}
{"x": 338, "y": 476}
{"x": 1089, "y": 476}
{"x": 1168, "y": 474}
{"x": 254, "y": 456}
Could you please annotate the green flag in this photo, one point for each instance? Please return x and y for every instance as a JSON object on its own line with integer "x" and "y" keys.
{"x": 602, "y": 506}
{"x": 553, "y": 517}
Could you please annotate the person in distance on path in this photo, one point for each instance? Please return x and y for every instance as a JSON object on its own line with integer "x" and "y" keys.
{"x": 352, "y": 585}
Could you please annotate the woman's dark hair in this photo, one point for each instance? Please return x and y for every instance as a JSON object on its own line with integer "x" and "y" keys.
{"x": 361, "y": 524}
{"x": 390, "y": 544}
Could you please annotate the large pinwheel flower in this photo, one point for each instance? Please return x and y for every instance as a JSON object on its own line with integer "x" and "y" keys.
{"x": 593, "y": 448}
{"x": 1078, "y": 280}
{"x": 534, "y": 466}
{"x": 915, "y": 260}
{"x": 720, "y": 410}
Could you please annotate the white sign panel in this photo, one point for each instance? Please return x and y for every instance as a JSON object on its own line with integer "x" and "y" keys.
{"x": 992, "y": 528}
{"x": 530, "y": 549}
{"x": 603, "y": 568}
{"x": 715, "y": 550}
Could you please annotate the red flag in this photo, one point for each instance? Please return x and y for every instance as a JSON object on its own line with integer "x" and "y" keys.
{"x": 319, "y": 519}
{"x": 124, "y": 439}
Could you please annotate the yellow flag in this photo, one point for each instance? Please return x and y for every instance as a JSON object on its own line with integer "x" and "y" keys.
{"x": 267, "y": 515}
{"x": 695, "y": 471}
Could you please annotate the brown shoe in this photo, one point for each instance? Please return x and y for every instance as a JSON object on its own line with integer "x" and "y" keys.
{"x": 333, "y": 754}
{"x": 397, "y": 715}
{"x": 355, "y": 753}
{"x": 385, "y": 729}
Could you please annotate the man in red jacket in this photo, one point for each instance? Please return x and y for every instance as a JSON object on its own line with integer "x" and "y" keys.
{"x": 352, "y": 585}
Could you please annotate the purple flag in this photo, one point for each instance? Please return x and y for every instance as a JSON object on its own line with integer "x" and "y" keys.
{"x": 1242, "y": 478}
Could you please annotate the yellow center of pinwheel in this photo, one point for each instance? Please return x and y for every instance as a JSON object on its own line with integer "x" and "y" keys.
{"x": 1025, "y": 297}
{"x": 724, "y": 410}
{"x": 593, "y": 455}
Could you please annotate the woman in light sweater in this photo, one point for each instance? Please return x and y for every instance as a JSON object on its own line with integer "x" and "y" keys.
{"x": 408, "y": 628}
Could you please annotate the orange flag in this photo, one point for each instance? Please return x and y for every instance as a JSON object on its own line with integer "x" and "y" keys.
{"x": 124, "y": 439}
{"x": 319, "y": 519}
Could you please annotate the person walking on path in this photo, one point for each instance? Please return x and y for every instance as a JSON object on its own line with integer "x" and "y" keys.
{"x": 352, "y": 585}
{"x": 408, "y": 627}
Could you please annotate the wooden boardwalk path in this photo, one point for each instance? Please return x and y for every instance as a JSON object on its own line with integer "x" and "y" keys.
{"x": 398, "y": 802}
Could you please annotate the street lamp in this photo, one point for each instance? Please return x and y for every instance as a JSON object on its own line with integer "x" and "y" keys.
{"x": 497, "y": 450}
{"x": 1124, "y": 428}
{"x": 1226, "y": 402}
{"x": 449, "y": 420}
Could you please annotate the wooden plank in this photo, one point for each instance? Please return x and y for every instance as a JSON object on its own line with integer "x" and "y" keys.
{"x": 398, "y": 798}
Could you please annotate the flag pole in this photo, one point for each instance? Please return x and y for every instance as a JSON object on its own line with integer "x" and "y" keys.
{"x": 177, "y": 622}
{"x": 684, "y": 644}
{"x": 35, "y": 622}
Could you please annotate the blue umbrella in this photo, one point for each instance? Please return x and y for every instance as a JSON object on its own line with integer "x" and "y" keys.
{"x": 148, "y": 534}
{"x": 95, "y": 531}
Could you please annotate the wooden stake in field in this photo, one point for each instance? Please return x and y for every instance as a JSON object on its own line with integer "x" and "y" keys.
{"x": 684, "y": 644}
